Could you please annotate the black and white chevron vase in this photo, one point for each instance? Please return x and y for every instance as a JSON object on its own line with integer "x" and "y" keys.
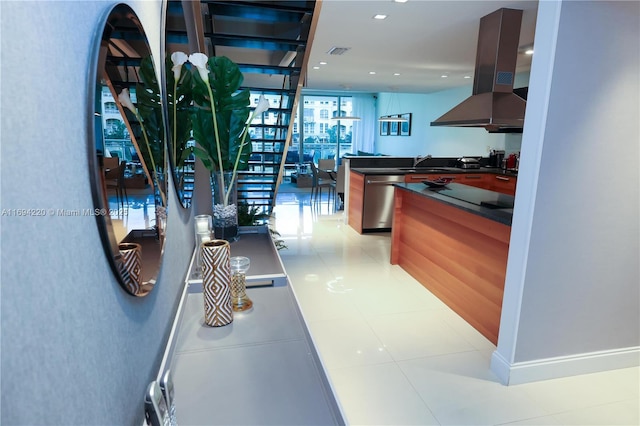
{"x": 216, "y": 281}
{"x": 130, "y": 266}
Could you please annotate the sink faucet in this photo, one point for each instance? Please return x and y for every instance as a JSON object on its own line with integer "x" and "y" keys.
{"x": 419, "y": 159}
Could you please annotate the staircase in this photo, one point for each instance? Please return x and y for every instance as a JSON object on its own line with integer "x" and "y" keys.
{"x": 270, "y": 41}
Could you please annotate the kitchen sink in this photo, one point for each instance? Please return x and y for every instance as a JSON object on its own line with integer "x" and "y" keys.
{"x": 423, "y": 169}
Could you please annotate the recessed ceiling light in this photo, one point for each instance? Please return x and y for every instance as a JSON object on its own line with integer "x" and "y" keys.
{"x": 323, "y": 63}
{"x": 444, "y": 76}
{"x": 372, "y": 72}
{"x": 316, "y": 67}
{"x": 529, "y": 52}
{"x": 467, "y": 76}
{"x": 379, "y": 16}
{"x": 396, "y": 73}
{"x": 399, "y": 1}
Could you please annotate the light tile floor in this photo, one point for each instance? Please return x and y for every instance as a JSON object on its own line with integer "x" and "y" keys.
{"x": 396, "y": 355}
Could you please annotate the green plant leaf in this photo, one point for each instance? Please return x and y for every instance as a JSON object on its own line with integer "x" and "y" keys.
{"x": 149, "y": 105}
{"x": 232, "y": 111}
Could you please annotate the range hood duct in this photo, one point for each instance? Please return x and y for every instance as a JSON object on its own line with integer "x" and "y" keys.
{"x": 493, "y": 105}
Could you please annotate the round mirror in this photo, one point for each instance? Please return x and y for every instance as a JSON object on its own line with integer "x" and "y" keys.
{"x": 127, "y": 158}
{"x": 179, "y": 100}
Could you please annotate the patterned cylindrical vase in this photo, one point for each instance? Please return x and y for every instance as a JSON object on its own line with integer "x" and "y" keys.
{"x": 130, "y": 266}
{"x": 201, "y": 237}
{"x": 216, "y": 280}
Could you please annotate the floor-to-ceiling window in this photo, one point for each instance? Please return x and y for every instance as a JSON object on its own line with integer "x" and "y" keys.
{"x": 117, "y": 142}
{"x": 322, "y": 136}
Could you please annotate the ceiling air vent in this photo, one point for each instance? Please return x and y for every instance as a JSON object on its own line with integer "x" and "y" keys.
{"x": 338, "y": 50}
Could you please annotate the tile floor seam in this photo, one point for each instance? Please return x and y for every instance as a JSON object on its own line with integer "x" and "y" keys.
{"x": 546, "y": 416}
{"x": 451, "y": 329}
{"x": 580, "y": 408}
{"x": 426, "y": 357}
{"x": 426, "y": 404}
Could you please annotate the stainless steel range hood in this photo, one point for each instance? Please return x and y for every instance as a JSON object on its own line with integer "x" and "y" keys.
{"x": 493, "y": 105}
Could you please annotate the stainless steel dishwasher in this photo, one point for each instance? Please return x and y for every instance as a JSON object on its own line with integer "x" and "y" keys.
{"x": 378, "y": 201}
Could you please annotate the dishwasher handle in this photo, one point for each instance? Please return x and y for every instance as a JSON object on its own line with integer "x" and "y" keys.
{"x": 386, "y": 181}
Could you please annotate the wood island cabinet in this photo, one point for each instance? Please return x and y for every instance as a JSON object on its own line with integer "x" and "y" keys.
{"x": 461, "y": 257}
{"x": 503, "y": 184}
{"x": 478, "y": 180}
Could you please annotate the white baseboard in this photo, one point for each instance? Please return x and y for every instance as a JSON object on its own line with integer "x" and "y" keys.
{"x": 564, "y": 366}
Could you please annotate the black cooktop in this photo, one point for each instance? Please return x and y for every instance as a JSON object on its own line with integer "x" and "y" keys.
{"x": 478, "y": 196}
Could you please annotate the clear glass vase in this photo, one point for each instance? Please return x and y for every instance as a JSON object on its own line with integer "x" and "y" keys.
{"x": 225, "y": 206}
{"x": 239, "y": 300}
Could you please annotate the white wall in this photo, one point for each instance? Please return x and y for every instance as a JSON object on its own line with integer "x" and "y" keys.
{"x": 76, "y": 349}
{"x": 437, "y": 141}
{"x": 572, "y": 301}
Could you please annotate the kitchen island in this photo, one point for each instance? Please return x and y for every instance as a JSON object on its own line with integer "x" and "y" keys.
{"x": 455, "y": 240}
{"x": 370, "y": 189}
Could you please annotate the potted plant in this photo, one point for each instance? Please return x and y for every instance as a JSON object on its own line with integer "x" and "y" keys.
{"x": 220, "y": 121}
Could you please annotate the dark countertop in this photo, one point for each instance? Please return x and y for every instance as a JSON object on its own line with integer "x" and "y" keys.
{"x": 429, "y": 170}
{"x": 488, "y": 204}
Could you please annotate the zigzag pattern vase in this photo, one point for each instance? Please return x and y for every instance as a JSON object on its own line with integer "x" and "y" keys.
{"x": 130, "y": 266}
{"x": 216, "y": 279}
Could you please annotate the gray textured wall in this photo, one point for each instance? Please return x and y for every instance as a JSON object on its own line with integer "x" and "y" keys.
{"x": 581, "y": 291}
{"x": 572, "y": 283}
{"x": 76, "y": 349}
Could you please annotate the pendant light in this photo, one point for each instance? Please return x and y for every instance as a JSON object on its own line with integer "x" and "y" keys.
{"x": 346, "y": 118}
{"x": 393, "y": 118}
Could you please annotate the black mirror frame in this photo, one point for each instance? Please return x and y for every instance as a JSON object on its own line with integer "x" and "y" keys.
{"x": 94, "y": 131}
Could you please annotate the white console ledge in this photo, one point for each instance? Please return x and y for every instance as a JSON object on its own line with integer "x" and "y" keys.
{"x": 259, "y": 370}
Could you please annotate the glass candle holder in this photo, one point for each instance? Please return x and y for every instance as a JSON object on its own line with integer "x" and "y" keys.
{"x": 203, "y": 223}
{"x": 239, "y": 299}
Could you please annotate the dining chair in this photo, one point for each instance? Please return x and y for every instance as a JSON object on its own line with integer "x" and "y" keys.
{"x": 326, "y": 164}
{"x": 116, "y": 181}
{"x": 321, "y": 179}
{"x": 110, "y": 167}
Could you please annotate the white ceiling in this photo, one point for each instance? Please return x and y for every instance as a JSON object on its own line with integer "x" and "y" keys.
{"x": 420, "y": 39}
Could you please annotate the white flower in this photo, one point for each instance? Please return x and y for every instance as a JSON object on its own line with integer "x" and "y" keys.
{"x": 200, "y": 61}
{"x": 125, "y": 101}
{"x": 263, "y": 105}
{"x": 178, "y": 59}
